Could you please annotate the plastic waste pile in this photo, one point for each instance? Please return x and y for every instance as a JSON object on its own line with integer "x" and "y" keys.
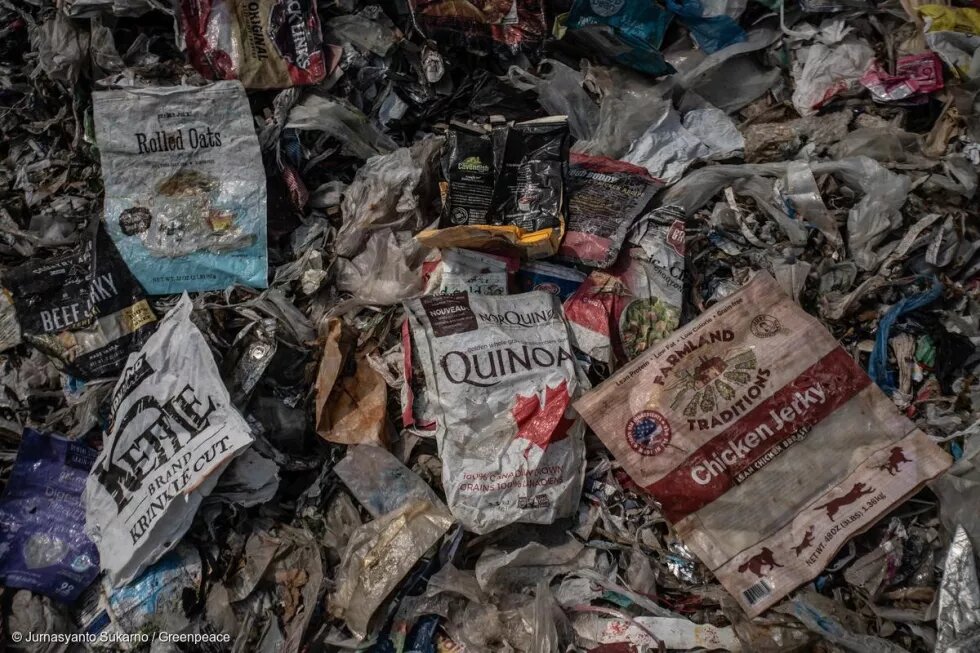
{"x": 445, "y": 326}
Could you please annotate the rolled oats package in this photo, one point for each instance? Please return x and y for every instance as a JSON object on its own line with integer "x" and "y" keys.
{"x": 501, "y": 377}
{"x": 184, "y": 186}
{"x": 765, "y": 443}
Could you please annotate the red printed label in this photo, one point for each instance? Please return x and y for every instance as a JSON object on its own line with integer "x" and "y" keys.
{"x": 765, "y": 432}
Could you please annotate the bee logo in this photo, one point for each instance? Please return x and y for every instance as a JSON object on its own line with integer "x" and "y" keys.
{"x": 712, "y": 380}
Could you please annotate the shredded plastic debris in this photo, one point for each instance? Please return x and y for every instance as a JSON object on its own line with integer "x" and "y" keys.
{"x": 528, "y": 326}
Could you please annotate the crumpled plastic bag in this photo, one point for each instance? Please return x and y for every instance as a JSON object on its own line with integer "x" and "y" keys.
{"x": 344, "y": 122}
{"x": 385, "y": 272}
{"x": 560, "y": 92}
{"x": 388, "y": 192}
{"x": 828, "y": 71}
{"x": 379, "y": 554}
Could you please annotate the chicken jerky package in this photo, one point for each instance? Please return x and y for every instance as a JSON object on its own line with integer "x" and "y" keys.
{"x": 605, "y": 197}
{"x": 501, "y": 376}
{"x": 84, "y": 309}
{"x": 504, "y": 188}
{"x": 184, "y": 186}
{"x": 618, "y": 313}
{"x": 171, "y": 432}
{"x": 262, "y": 43}
{"x": 765, "y": 443}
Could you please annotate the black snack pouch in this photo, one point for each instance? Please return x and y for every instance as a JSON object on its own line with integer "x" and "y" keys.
{"x": 85, "y": 310}
{"x": 469, "y": 169}
{"x": 530, "y": 191}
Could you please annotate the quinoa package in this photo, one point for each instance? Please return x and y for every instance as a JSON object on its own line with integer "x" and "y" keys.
{"x": 764, "y": 442}
{"x": 184, "y": 186}
{"x": 605, "y": 197}
{"x": 262, "y": 43}
{"x": 501, "y": 376}
{"x": 43, "y": 545}
{"x": 84, "y": 310}
{"x": 618, "y": 313}
{"x": 504, "y": 188}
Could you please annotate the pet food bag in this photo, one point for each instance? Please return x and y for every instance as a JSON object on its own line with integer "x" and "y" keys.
{"x": 262, "y": 43}
{"x": 184, "y": 186}
{"x": 616, "y": 314}
{"x": 764, "y": 442}
{"x": 504, "y": 188}
{"x": 501, "y": 377}
{"x": 605, "y": 197}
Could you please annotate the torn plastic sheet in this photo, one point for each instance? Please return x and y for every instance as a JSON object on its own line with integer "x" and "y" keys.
{"x": 380, "y": 482}
{"x": 182, "y": 217}
{"x": 140, "y": 502}
{"x": 388, "y": 193}
{"x": 808, "y": 406}
{"x": 560, "y": 92}
{"x": 43, "y": 545}
{"x": 385, "y": 272}
{"x": 828, "y": 71}
{"x": 152, "y": 602}
{"x": 629, "y": 33}
{"x": 827, "y": 626}
{"x": 463, "y": 270}
{"x": 378, "y": 555}
{"x": 958, "y": 622}
{"x": 641, "y": 631}
{"x": 343, "y": 122}
{"x": 711, "y": 32}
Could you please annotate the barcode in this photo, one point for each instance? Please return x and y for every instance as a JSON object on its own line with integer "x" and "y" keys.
{"x": 757, "y": 592}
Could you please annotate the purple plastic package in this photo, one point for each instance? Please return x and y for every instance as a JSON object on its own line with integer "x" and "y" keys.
{"x": 43, "y": 546}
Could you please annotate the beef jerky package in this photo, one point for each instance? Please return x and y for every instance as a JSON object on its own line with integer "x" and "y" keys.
{"x": 764, "y": 442}
{"x": 501, "y": 376}
{"x": 43, "y": 545}
{"x": 85, "y": 310}
{"x": 171, "y": 432}
{"x": 262, "y": 43}
{"x": 184, "y": 186}
{"x": 504, "y": 189}
{"x": 618, "y": 313}
{"x": 605, "y": 197}
{"x": 501, "y": 26}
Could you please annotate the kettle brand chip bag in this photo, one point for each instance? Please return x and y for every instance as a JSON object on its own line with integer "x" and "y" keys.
{"x": 501, "y": 375}
{"x": 605, "y": 197}
{"x": 764, "y": 442}
{"x": 504, "y": 188}
{"x": 184, "y": 186}
{"x": 84, "y": 310}
{"x": 262, "y": 43}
